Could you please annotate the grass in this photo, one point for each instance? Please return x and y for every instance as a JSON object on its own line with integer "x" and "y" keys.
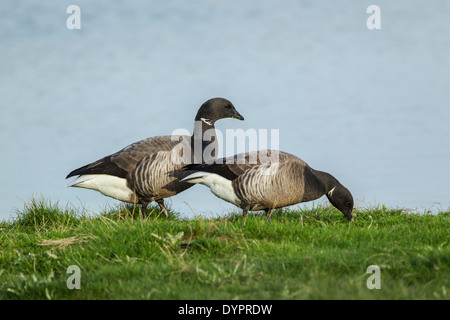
{"x": 299, "y": 254}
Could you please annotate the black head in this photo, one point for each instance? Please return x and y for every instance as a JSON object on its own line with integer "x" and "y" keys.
{"x": 215, "y": 109}
{"x": 342, "y": 199}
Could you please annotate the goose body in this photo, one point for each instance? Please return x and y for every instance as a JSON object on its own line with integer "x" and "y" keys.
{"x": 270, "y": 182}
{"x": 148, "y": 170}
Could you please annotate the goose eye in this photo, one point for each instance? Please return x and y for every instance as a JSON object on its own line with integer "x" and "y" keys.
{"x": 227, "y": 106}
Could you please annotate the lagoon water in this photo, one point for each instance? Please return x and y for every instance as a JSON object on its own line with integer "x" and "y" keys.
{"x": 370, "y": 107}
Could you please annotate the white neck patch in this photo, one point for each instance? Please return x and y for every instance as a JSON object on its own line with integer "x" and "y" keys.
{"x": 330, "y": 193}
{"x": 207, "y": 121}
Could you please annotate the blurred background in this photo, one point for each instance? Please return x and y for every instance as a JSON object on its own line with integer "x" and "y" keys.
{"x": 371, "y": 107}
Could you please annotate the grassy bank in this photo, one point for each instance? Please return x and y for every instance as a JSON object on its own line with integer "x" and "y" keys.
{"x": 312, "y": 254}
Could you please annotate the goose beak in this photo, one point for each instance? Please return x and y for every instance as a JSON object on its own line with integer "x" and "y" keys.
{"x": 349, "y": 217}
{"x": 237, "y": 115}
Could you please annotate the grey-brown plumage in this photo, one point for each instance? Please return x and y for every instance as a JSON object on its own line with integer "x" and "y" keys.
{"x": 266, "y": 180}
{"x": 148, "y": 170}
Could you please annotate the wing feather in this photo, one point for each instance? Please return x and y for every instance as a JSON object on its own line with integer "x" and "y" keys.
{"x": 121, "y": 163}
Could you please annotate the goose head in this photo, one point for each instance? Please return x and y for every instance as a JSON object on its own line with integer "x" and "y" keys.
{"x": 215, "y": 109}
{"x": 342, "y": 199}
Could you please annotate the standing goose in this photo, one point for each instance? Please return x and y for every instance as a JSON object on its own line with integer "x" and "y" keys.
{"x": 141, "y": 172}
{"x": 278, "y": 179}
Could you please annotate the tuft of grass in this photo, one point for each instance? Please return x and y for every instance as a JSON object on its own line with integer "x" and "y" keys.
{"x": 299, "y": 254}
{"x": 40, "y": 214}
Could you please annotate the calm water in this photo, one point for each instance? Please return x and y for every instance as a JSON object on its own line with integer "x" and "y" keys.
{"x": 368, "y": 106}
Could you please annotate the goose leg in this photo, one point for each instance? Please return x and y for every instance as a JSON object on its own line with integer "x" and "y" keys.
{"x": 268, "y": 213}
{"x": 245, "y": 209}
{"x": 143, "y": 212}
{"x": 163, "y": 208}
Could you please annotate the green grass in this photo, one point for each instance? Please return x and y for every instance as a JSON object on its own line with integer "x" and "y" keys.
{"x": 309, "y": 254}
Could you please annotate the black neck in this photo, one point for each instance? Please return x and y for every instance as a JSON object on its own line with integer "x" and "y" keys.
{"x": 328, "y": 181}
{"x": 200, "y": 127}
{"x": 203, "y": 136}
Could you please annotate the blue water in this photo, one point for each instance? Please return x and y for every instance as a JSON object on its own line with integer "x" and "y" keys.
{"x": 368, "y": 106}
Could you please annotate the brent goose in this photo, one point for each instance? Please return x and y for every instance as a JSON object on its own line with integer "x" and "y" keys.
{"x": 276, "y": 180}
{"x": 146, "y": 170}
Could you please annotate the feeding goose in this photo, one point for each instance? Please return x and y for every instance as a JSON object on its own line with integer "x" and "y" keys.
{"x": 146, "y": 170}
{"x": 278, "y": 179}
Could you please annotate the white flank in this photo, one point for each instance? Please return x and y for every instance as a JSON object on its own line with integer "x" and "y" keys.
{"x": 110, "y": 186}
{"x": 218, "y": 185}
